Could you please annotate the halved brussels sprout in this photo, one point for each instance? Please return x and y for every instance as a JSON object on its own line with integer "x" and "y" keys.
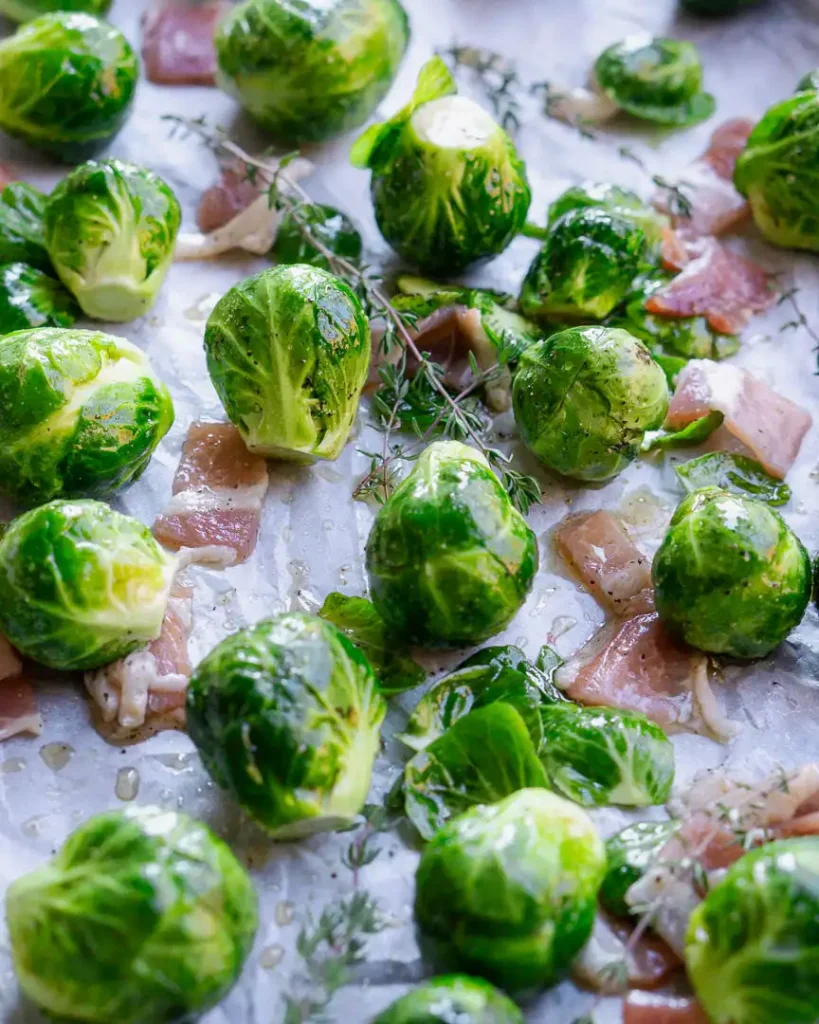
{"x": 111, "y": 229}
{"x": 82, "y": 414}
{"x": 735, "y": 473}
{"x": 613, "y": 199}
{"x": 328, "y": 225}
{"x": 25, "y": 10}
{"x": 655, "y": 79}
{"x": 452, "y": 999}
{"x": 67, "y": 82}
{"x": 751, "y": 950}
{"x": 584, "y": 398}
{"x": 585, "y": 268}
{"x": 144, "y": 915}
{"x": 447, "y": 183}
{"x": 509, "y": 892}
{"x": 777, "y": 172}
{"x": 630, "y": 855}
{"x": 288, "y": 353}
{"x": 22, "y": 227}
{"x": 81, "y": 585}
{"x": 731, "y": 577}
{"x": 450, "y": 559}
{"x": 287, "y": 715}
{"x": 30, "y": 298}
{"x": 312, "y": 70}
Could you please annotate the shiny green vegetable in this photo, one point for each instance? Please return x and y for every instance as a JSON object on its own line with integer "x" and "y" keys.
{"x": 450, "y": 560}
{"x": 692, "y": 434}
{"x": 80, "y": 584}
{"x": 584, "y": 398}
{"x": 22, "y": 230}
{"x": 452, "y": 999}
{"x": 311, "y": 70}
{"x": 620, "y": 202}
{"x": 83, "y": 413}
{"x": 508, "y": 892}
{"x": 25, "y": 10}
{"x": 331, "y": 227}
{"x": 288, "y": 352}
{"x": 144, "y": 916}
{"x": 629, "y": 855}
{"x": 735, "y": 473}
{"x": 447, "y": 183}
{"x": 67, "y": 82}
{"x": 286, "y": 715}
{"x": 30, "y": 298}
{"x": 730, "y": 577}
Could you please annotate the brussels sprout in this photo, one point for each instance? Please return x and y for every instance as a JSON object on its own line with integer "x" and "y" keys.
{"x": 450, "y": 559}
{"x": 82, "y": 414}
{"x": 808, "y": 81}
{"x": 777, "y": 170}
{"x": 30, "y": 298}
{"x": 584, "y": 398}
{"x": 717, "y": 8}
{"x": 328, "y": 225}
{"x": 288, "y": 353}
{"x": 447, "y": 183}
{"x": 80, "y": 584}
{"x": 585, "y": 268}
{"x": 25, "y": 10}
{"x": 312, "y": 70}
{"x": 110, "y": 230}
{"x": 485, "y": 756}
{"x": 615, "y": 200}
{"x": 286, "y": 715}
{"x": 655, "y": 79}
{"x": 751, "y": 950}
{"x": 22, "y": 231}
{"x": 629, "y": 855}
{"x": 452, "y": 999}
{"x": 735, "y": 473}
{"x": 67, "y": 82}
{"x": 509, "y": 892}
{"x": 730, "y": 577}
{"x": 691, "y": 434}
{"x": 142, "y": 917}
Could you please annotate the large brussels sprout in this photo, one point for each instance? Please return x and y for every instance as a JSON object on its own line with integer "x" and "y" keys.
{"x": 731, "y": 577}
{"x": 22, "y": 228}
{"x": 655, "y": 79}
{"x": 509, "y": 892}
{"x": 447, "y": 183}
{"x": 777, "y": 172}
{"x": 286, "y": 715}
{"x": 143, "y": 917}
{"x": 452, "y": 999}
{"x": 111, "y": 229}
{"x": 585, "y": 268}
{"x": 752, "y": 950}
{"x": 584, "y": 398}
{"x": 25, "y": 10}
{"x": 613, "y": 199}
{"x": 450, "y": 559}
{"x": 66, "y": 83}
{"x": 82, "y": 414}
{"x": 31, "y": 298}
{"x": 630, "y": 853}
{"x": 81, "y": 585}
{"x": 310, "y": 70}
{"x": 288, "y": 353}
{"x": 330, "y": 226}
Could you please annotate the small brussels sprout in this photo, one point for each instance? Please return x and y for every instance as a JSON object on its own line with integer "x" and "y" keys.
{"x": 509, "y": 892}
{"x": 143, "y": 915}
{"x": 67, "y": 82}
{"x": 584, "y": 398}
{"x": 287, "y": 715}
{"x": 630, "y": 855}
{"x": 81, "y": 585}
{"x": 328, "y": 225}
{"x": 808, "y": 82}
{"x": 585, "y": 268}
{"x": 30, "y": 298}
{"x": 26, "y": 10}
{"x": 775, "y": 172}
{"x": 613, "y": 199}
{"x": 751, "y": 945}
{"x": 603, "y": 756}
{"x": 735, "y": 473}
{"x": 450, "y": 559}
{"x": 731, "y": 577}
{"x": 288, "y": 353}
{"x": 447, "y": 183}
{"x": 22, "y": 229}
{"x": 111, "y": 229}
{"x": 452, "y": 999}
{"x": 82, "y": 414}
{"x": 655, "y": 79}
{"x": 309, "y": 71}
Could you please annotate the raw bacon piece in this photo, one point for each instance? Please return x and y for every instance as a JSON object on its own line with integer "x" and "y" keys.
{"x": 674, "y": 250}
{"x": 659, "y": 1008}
{"x": 727, "y": 144}
{"x": 229, "y": 197}
{"x": 758, "y": 420}
{"x": 18, "y": 707}
{"x": 177, "y": 42}
{"x": 218, "y": 490}
{"x": 717, "y": 284}
{"x": 608, "y": 562}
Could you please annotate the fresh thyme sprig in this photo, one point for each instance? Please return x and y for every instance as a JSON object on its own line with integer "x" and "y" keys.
{"x": 497, "y": 76}
{"x": 363, "y": 850}
{"x": 679, "y": 205}
{"x": 800, "y": 321}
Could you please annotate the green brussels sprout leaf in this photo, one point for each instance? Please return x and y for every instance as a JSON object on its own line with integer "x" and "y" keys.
{"x": 692, "y": 434}
{"x": 26, "y": 10}
{"x": 670, "y": 365}
{"x": 629, "y": 855}
{"x": 22, "y": 230}
{"x": 736, "y": 473}
{"x": 452, "y": 999}
{"x": 808, "y": 82}
{"x": 549, "y": 661}
{"x": 31, "y": 298}
{"x": 331, "y": 227}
